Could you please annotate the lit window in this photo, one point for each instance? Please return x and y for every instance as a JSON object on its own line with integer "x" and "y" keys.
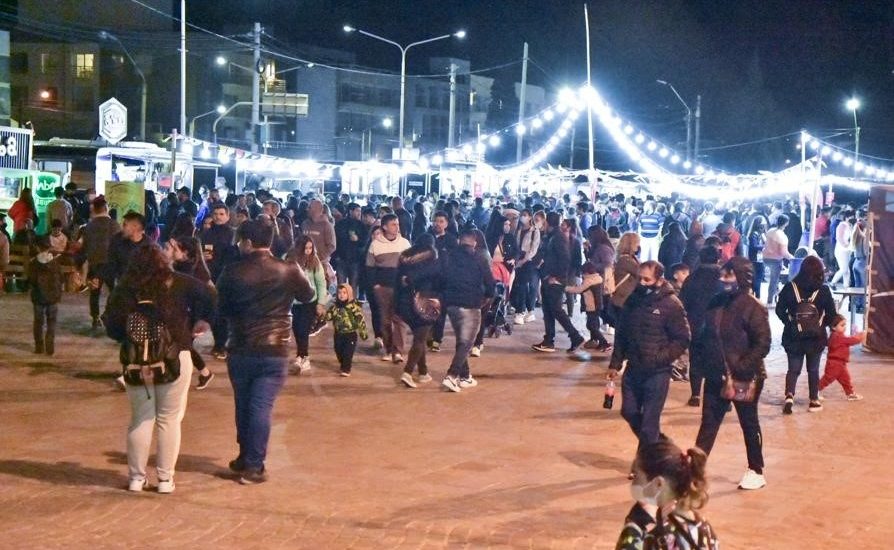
{"x": 84, "y": 65}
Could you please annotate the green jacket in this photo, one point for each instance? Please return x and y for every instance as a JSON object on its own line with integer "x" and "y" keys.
{"x": 347, "y": 318}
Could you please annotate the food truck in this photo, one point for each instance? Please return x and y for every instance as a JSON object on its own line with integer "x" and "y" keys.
{"x": 16, "y": 174}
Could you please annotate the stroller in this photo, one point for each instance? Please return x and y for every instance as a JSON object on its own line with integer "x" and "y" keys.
{"x": 498, "y": 317}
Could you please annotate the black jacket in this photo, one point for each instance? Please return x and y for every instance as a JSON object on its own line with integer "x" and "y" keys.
{"x": 418, "y": 270}
{"x": 45, "y": 281}
{"x": 120, "y": 252}
{"x": 222, "y": 240}
{"x": 652, "y": 330}
{"x": 347, "y": 250}
{"x": 556, "y": 256}
{"x": 185, "y": 301}
{"x": 785, "y": 308}
{"x": 696, "y": 294}
{"x": 444, "y": 243}
{"x": 737, "y": 335}
{"x": 466, "y": 278}
{"x": 405, "y": 219}
{"x": 256, "y": 296}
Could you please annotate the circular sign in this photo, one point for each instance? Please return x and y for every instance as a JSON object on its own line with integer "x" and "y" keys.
{"x": 113, "y": 121}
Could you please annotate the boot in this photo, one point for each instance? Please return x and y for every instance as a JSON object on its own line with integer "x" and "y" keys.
{"x": 38, "y": 346}
{"x": 49, "y": 347}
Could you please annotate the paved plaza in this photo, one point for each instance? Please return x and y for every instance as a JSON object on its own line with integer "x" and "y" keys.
{"x": 529, "y": 459}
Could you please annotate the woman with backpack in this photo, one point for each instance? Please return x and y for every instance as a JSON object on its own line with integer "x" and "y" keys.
{"x": 153, "y": 299}
{"x": 806, "y": 308}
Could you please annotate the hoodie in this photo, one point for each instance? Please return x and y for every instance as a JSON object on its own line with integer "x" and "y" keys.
{"x": 45, "y": 275}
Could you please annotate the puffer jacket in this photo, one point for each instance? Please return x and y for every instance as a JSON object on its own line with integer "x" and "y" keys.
{"x": 418, "y": 270}
{"x": 256, "y": 294}
{"x": 628, "y": 267}
{"x": 737, "y": 329}
{"x": 785, "y": 309}
{"x": 696, "y": 294}
{"x": 652, "y": 331}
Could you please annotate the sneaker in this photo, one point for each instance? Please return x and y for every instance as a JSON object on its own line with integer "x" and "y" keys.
{"x": 468, "y": 382}
{"x": 397, "y": 358}
{"x": 605, "y": 348}
{"x": 789, "y": 403}
{"x": 204, "y": 381}
{"x": 97, "y": 324}
{"x": 434, "y": 347}
{"x": 814, "y": 407}
{"x": 752, "y": 481}
{"x": 220, "y": 354}
{"x": 237, "y": 465}
{"x": 519, "y": 319}
{"x": 476, "y": 351}
{"x": 119, "y": 383}
{"x": 407, "y": 380}
{"x": 575, "y": 345}
{"x": 544, "y": 347}
{"x": 386, "y": 357}
{"x": 253, "y": 476}
{"x": 165, "y": 487}
{"x": 378, "y": 344}
{"x": 694, "y": 401}
{"x": 305, "y": 365}
{"x": 592, "y": 344}
{"x": 424, "y": 378}
{"x": 530, "y": 317}
{"x": 451, "y": 383}
{"x": 344, "y": 373}
{"x": 855, "y": 397}
{"x": 137, "y": 485}
{"x": 820, "y": 396}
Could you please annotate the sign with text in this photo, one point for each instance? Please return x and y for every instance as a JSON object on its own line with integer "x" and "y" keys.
{"x": 15, "y": 148}
{"x": 113, "y": 121}
{"x": 125, "y": 196}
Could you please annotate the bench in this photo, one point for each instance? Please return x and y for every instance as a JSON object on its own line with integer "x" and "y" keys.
{"x": 15, "y": 271}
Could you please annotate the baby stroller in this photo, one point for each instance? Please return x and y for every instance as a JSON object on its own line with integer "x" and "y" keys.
{"x": 497, "y": 318}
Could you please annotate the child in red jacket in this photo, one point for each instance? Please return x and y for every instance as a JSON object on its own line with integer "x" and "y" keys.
{"x": 839, "y": 356}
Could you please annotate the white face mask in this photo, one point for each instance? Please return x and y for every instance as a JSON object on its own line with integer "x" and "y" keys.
{"x": 640, "y": 493}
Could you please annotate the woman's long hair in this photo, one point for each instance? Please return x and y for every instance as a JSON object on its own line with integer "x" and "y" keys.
{"x": 628, "y": 244}
{"x": 195, "y": 259}
{"x": 306, "y": 261}
{"x": 812, "y": 273}
{"x": 28, "y": 198}
{"x": 148, "y": 272}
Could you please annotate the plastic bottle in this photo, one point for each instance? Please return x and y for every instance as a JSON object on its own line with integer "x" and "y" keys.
{"x": 609, "y": 401}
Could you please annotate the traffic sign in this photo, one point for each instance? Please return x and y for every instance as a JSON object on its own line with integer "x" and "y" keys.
{"x": 113, "y": 121}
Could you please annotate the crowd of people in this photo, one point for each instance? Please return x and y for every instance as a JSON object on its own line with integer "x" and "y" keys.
{"x": 678, "y": 285}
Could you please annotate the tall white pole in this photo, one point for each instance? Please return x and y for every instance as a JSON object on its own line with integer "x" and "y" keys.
{"x": 452, "y": 124}
{"x": 403, "y": 91}
{"x": 256, "y": 89}
{"x": 182, "y": 127}
{"x": 520, "y": 138}
{"x": 592, "y": 165}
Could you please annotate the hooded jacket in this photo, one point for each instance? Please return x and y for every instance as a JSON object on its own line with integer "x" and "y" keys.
{"x": 786, "y": 303}
{"x": 737, "y": 329}
{"x": 652, "y": 330}
{"x": 466, "y": 278}
{"x": 698, "y": 290}
{"x": 45, "y": 275}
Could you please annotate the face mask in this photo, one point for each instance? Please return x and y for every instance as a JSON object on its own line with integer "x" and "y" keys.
{"x": 640, "y": 494}
{"x": 729, "y": 288}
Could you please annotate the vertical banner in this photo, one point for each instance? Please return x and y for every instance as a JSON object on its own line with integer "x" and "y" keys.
{"x": 880, "y": 272}
{"x": 125, "y": 196}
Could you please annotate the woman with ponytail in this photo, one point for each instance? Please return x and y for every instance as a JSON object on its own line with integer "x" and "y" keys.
{"x": 669, "y": 488}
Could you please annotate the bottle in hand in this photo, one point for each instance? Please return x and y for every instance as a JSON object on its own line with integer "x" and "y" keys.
{"x": 609, "y": 400}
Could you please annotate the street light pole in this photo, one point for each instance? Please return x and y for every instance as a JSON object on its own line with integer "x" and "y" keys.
{"x": 225, "y": 113}
{"x": 853, "y": 104}
{"x": 220, "y": 109}
{"x": 403, "y": 70}
{"x": 108, "y": 36}
{"x": 688, "y": 118}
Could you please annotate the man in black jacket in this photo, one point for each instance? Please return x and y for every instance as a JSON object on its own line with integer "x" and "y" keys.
{"x": 218, "y": 246}
{"x": 256, "y": 295}
{"x": 698, "y": 290}
{"x": 444, "y": 243}
{"x": 350, "y": 234}
{"x": 652, "y": 333}
{"x": 554, "y": 258}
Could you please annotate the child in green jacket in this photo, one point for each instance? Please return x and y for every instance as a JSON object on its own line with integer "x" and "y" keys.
{"x": 347, "y": 320}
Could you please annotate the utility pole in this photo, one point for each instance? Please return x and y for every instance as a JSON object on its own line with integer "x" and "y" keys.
{"x": 520, "y": 138}
{"x": 571, "y": 154}
{"x": 450, "y": 129}
{"x": 698, "y": 124}
{"x": 256, "y": 89}
{"x": 591, "y": 175}
{"x": 182, "y": 66}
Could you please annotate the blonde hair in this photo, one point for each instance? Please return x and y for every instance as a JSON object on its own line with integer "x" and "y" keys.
{"x": 628, "y": 244}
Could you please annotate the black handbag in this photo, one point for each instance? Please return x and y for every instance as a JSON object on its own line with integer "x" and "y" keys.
{"x": 426, "y": 305}
{"x": 732, "y": 389}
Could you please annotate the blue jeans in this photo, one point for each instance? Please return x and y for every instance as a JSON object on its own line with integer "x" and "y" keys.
{"x": 465, "y": 323}
{"x": 775, "y": 268}
{"x": 644, "y": 392}
{"x": 859, "y": 280}
{"x": 256, "y": 383}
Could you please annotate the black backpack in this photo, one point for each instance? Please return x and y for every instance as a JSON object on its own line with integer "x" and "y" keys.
{"x": 148, "y": 349}
{"x": 806, "y": 316}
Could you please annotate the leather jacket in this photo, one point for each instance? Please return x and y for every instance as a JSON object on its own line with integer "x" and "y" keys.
{"x": 256, "y": 295}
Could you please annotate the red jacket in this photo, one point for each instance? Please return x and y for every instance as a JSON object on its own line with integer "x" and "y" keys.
{"x": 840, "y": 346}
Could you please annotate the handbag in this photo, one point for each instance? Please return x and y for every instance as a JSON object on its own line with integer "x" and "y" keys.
{"x": 426, "y": 305}
{"x": 736, "y": 390}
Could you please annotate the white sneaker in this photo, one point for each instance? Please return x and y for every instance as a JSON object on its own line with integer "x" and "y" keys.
{"x": 752, "y": 481}
{"x": 119, "y": 383}
{"x": 519, "y": 318}
{"x": 821, "y": 397}
{"x": 305, "y": 364}
{"x": 424, "y": 378}
{"x": 378, "y": 344}
{"x": 137, "y": 485}
{"x": 468, "y": 382}
{"x": 529, "y": 317}
{"x": 386, "y": 357}
{"x": 166, "y": 487}
{"x": 397, "y": 358}
{"x": 476, "y": 351}
{"x": 407, "y": 379}
{"x": 855, "y": 397}
{"x": 451, "y": 383}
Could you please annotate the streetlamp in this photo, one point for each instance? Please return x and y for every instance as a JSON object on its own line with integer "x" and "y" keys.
{"x": 220, "y": 109}
{"x": 852, "y": 105}
{"x": 688, "y": 118}
{"x": 403, "y": 68}
{"x": 387, "y": 123}
{"x": 104, "y": 35}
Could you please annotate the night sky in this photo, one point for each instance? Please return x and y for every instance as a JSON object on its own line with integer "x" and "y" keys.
{"x": 764, "y": 67}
